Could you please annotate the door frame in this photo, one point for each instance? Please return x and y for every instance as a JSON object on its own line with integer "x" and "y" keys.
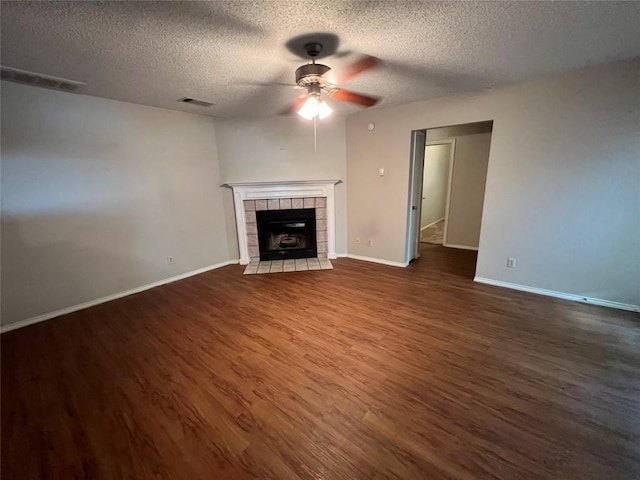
{"x": 414, "y": 202}
{"x": 452, "y": 155}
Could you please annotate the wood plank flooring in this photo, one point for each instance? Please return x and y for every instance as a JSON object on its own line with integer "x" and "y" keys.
{"x": 361, "y": 372}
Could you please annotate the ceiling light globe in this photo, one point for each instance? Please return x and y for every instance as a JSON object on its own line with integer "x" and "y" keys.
{"x": 309, "y": 109}
{"x": 324, "y": 110}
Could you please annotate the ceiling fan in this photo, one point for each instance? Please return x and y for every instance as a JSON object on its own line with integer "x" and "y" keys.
{"x": 315, "y": 79}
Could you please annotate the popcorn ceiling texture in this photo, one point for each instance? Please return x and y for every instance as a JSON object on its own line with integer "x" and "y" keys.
{"x": 154, "y": 53}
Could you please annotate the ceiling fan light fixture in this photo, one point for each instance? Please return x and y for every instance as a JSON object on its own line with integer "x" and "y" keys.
{"x": 324, "y": 110}
{"x": 314, "y": 108}
{"x": 309, "y": 108}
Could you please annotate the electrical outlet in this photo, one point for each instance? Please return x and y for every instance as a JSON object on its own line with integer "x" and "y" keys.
{"x": 169, "y": 259}
{"x": 370, "y": 243}
{"x": 511, "y": 262}
{"x": 357, "y": 239}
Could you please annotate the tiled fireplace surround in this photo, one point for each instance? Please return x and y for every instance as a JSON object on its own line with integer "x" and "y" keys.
{"x": 248, "y": 197}
{"x": 251, "y": 206}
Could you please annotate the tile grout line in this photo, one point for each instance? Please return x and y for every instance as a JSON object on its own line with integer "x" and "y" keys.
{"x": 289, "y": 265}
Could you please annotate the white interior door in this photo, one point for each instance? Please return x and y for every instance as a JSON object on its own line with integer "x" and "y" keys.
{"x": 418, "y": 138}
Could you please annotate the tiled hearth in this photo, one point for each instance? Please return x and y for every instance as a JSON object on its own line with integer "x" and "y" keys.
{"x": 280, "y": 266}
{"x": 251, "y": 206}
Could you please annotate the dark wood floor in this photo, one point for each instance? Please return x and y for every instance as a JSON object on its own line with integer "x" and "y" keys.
{"x": 362, "y": 372}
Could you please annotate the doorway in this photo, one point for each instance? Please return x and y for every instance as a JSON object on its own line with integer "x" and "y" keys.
{"x": 448, "y": 170}
{"x": 436, "y": 183}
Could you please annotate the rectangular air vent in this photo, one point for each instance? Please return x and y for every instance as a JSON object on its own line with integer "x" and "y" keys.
{"x": 193, "y": 101}
{"x": 39, "y": 79}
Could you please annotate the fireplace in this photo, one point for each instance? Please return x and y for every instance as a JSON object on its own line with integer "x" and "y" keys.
{"x": 287, "y": 234}
{"x": 253, "y": 197}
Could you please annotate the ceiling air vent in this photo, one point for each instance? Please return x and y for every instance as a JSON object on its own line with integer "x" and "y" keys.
{"x": 39, "y": 79}
{"x": 194, "y": 101}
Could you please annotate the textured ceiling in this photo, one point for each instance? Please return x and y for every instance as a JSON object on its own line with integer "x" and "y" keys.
{"x": 154, "y": 53}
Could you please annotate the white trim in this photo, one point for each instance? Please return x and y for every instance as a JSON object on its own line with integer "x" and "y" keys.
{"x": 447, "y": 206}
{"x": 461, "y": 247}
{"x": 431, "y": 224}
{"x": 342, "y": 255}
{"x": 564, "y": 296}
{"x": 285, "y": 189}
{"x": 281, "y": 184}
{"x": 414, "y": 190}
{"x": 377, "y": 260}
{"x": 108, "y": 298}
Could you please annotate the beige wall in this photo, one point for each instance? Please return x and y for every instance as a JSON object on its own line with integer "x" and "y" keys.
{"x": 562, "y": 190}
{"x": 468, "y": 181}
{"x": 434, "y": 183}
{"x": 97, "y": 193}
{"x": 281, "y": 148}
{"x": 467, "y": 189}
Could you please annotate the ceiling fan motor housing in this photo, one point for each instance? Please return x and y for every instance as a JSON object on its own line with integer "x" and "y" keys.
{"x": 311, "y": 73}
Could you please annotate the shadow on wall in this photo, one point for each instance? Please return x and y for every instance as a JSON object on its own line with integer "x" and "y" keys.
{"x": 55, "y": 261}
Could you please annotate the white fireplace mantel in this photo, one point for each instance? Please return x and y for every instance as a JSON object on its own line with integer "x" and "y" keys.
{"x": 287, "y": 189}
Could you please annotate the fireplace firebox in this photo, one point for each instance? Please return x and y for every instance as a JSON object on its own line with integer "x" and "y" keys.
{"x": 285, "y": 234}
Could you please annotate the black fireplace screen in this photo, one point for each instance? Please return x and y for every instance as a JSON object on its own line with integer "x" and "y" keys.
{"x": 285, "y": 234}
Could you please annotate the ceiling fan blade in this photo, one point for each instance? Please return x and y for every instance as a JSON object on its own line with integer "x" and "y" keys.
{"x": 365, "y": 63}
{"x": 353, "y": 97}
{"x": 294, "y": 106}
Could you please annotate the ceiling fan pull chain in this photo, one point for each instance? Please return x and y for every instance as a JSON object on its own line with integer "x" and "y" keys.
{"x": 315, "y": 133}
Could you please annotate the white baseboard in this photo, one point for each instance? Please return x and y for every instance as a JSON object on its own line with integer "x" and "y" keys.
{"x": 461, "y": 247}
{"x": 564, "y": 296}
{"x": 108, "y": 298}
{"x": 342, "y": 255}
{"x": 377, "y": 260}
{"x": 431, "y": 224}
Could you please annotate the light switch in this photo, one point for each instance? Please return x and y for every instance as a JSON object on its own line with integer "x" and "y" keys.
{"x": 381, "y": 172}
